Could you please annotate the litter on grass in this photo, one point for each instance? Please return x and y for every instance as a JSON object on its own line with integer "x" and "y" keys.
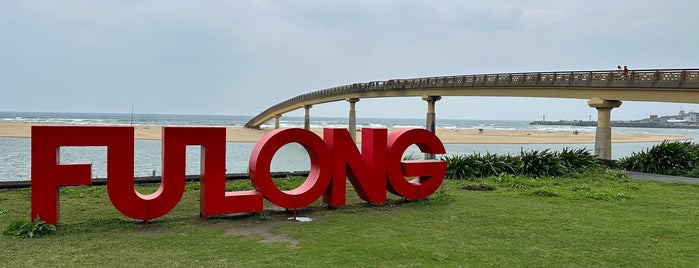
{"x": 301, "y": 219}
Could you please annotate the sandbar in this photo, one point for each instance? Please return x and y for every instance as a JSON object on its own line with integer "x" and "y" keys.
{"x": 447, "y": 136}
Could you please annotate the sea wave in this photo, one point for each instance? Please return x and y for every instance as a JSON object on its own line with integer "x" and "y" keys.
{"x": 15, "y": 155}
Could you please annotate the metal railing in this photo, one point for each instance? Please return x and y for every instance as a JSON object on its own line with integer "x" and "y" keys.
{"x": 674, "y": 78}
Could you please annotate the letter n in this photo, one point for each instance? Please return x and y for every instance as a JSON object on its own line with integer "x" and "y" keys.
{"x": 366, "y": 171}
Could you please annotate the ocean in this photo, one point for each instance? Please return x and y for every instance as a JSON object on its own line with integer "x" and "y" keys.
{"x": 15, "y": 152}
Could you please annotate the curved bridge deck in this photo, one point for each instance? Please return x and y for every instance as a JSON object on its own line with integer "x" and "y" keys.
{"x": 662, "y": 85}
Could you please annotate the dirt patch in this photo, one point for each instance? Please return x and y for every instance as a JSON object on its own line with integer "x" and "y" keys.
{"x": 263, "y": 229}
{"x": 150, "y": 232}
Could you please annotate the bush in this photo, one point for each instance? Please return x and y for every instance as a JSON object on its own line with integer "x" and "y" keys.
{"x": 577, "y": 160}
{"x": 540, "y": 164}
{"x": 528, "y": 163}
{"x": 494, "y": 165}
{"x": 462, "y": 167}
{"x": 669, "y": 158}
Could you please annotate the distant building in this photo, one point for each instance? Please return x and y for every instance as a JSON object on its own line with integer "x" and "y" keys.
{"x": 685, "y": 119}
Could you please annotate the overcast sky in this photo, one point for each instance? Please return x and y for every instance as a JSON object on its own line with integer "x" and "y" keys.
{"x": 240, "y": 57}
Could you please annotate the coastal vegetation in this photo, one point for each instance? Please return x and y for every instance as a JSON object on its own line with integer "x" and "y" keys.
{"x": 531, "y": 163}
{"x": 679, "y": 158}
{"x": 590, "y": 217}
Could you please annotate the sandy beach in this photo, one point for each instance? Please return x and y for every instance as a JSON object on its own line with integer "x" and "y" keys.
{"x": 448, "y": 136}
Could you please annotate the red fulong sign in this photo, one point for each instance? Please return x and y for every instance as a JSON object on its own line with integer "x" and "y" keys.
{"x": 334, "y": 159}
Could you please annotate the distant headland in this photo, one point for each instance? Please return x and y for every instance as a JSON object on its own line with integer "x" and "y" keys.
{"x": 689, "y": 120}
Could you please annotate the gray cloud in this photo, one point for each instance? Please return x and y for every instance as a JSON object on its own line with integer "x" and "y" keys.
{"x": 239, "y": 57}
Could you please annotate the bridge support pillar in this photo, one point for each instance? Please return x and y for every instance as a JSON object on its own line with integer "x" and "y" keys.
{"x": 276, "y": 120}
{"x": 352, "y": 124}
{"x": 603, "y": 135}
{"x": 307, "y": 117}
{"x": 430, "y": 123}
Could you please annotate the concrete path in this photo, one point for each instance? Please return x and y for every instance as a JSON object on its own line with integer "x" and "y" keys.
{"x": 663, "y": 178}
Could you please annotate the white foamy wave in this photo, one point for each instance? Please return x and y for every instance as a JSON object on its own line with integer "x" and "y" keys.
{"x": 448, "y": 127}
{"x": 375, "y": 125}
{"x": 408, "y": 126}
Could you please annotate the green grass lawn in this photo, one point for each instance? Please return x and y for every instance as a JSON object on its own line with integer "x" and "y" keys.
{"x": 598, "y": 219}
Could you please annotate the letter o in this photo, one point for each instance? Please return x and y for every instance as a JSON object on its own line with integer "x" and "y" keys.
{"x": 318, "y": 179}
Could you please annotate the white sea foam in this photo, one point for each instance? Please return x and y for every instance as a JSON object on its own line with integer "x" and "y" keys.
{"x": 15, "y": 152}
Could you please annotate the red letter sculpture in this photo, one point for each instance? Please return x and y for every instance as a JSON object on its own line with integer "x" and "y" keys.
{"x": 318, "y": 179}
{"x": 213, "y": 198}
{"x": 48, "y": 174}
{"x": 366, "y": 171}
{"x": 430, "y": 173}
{"x": 379, "y": 167}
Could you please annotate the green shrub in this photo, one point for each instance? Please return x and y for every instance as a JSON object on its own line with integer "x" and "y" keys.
{"x": 494, "y": 165}
{"x": 693, "y": 173}
{"x": 669, "y": 158}
{"x": 528, "y": 163}
{"x": 577, "y": 160}
{"x": 462, "y": 167}
{"x": 28, "y": 229}
{"x": 540, "y": 164}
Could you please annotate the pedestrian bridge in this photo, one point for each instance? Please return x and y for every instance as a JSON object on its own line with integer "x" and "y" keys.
{"x": 605, "y": 89}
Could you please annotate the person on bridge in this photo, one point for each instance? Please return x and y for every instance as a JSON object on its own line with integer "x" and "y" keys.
{"x": 618, "y": 72}
{"x": 626, "y": 72}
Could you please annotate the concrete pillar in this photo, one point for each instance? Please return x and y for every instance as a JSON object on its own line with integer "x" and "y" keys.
{"x": 430, "y": 123}
{"x": 603, "y": 135}
{"x": 276, "y": 120}
{"x": 307, "y": 117}
{"x": 352, "y": 125}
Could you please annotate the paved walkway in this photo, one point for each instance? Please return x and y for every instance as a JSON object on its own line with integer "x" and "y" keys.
{"x": 663, "y": 178}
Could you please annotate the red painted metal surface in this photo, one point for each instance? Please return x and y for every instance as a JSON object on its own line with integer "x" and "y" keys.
{"x": 318, "y": 179}
{"x": 366, "y": 170}
{"x": 379, "y": 167}
{"x": 429, "y": 173}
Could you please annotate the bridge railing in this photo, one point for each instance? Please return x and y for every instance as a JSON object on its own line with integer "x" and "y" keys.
{"x": 604, "y": 78}
{"x": 510, "y": 79}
